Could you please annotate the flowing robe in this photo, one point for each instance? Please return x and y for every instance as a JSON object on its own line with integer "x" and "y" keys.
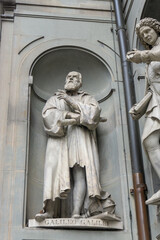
{"x": 67, "y": 146}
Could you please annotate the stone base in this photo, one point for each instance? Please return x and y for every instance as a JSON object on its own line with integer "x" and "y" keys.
{"x": 73, "y": 223}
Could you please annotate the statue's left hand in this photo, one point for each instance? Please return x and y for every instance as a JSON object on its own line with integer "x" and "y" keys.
{"x": 69, "y": 100}
{"x": 62, "y": 95}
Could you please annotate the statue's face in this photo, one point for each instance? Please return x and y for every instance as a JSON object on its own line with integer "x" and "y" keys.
{"x": 148, "y": 35}
{"x": 73, "y": 82}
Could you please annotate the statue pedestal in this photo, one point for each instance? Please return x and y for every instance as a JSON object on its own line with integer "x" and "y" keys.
{"x": 80, "y": 223}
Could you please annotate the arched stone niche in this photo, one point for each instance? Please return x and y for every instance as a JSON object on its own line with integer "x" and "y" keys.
{"x": 151, "y": 9}
{"x": 49, "y": 72}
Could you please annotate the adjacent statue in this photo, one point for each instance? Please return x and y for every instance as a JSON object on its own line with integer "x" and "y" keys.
{"x": 148, "y": 30}
{"x": 72, "y": 165}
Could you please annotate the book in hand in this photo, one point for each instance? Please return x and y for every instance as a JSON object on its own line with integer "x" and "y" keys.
{"x": 139, "y": 109}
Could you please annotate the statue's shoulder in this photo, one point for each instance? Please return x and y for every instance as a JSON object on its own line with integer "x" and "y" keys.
{"x": 88, "y": 98}
{"x": 86, "y": 94}
{"x": 83, "y": 93}
{"x": 52, "y": 98}
{"x": 56, "y": 93}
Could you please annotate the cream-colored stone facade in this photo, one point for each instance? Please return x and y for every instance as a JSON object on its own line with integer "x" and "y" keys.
{"x": 39, "y": 39}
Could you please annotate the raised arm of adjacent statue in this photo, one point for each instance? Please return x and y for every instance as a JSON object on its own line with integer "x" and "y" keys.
{"x": 145, "y": 56}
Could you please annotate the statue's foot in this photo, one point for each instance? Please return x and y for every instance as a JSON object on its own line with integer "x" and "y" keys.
{"x": 40, "y": 217}
{"x": 155, "y": 199}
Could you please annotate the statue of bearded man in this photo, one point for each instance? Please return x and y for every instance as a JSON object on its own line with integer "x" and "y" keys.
{"x": 72, "y": 165}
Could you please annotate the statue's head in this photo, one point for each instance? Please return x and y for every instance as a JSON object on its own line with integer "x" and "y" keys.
{"x": 148, "y": 30}
{"x": 73, "y": 81}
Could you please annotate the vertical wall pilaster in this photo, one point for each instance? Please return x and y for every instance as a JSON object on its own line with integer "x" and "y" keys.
{"x": 5, "y": 78}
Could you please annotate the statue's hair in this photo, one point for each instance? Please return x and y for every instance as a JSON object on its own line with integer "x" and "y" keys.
{"x": 150, "y": 22}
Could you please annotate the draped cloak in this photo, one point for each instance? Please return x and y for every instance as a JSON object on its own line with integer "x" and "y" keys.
{"x": 70, "y": 145}
{"x": 152, "y": 122}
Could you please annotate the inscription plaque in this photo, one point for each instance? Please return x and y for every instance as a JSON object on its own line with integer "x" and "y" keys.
{"x": 81, "y": 223}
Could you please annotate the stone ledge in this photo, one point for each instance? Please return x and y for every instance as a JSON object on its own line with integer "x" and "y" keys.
{"x": 73, "y": 223}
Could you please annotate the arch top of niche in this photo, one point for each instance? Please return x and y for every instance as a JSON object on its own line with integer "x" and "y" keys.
{"x": 49, "y": 71}
{"x": 33, "y": 52}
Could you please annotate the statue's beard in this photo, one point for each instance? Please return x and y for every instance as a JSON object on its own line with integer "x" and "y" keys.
{"x": 71, "y": 87}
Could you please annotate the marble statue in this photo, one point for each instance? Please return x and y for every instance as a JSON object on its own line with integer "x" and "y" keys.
{"x": 148, "y": 30}
{"x": 72, "y": 164}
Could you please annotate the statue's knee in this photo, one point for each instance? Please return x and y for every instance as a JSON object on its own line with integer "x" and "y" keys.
{"x": 147, "y": 143}
{"x": 151, "y": 143}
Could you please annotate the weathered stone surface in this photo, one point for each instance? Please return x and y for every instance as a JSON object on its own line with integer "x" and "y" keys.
{"x": 158, "y": 237}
